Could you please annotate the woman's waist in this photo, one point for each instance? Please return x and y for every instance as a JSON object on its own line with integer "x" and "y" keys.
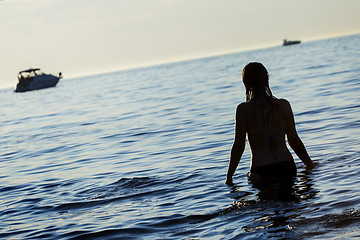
{"x": 279, "y": 169}
{"x": 271, "y": 162}
{"x": 261, "y": 154}
{"x": 267, "y": 141}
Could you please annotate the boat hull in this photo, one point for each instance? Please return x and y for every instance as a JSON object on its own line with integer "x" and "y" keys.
{"x": 288, "y": 43}
{"x": 38, "y": 82}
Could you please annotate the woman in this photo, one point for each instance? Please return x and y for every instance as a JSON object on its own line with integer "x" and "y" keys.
{"x": 266, "y": 120}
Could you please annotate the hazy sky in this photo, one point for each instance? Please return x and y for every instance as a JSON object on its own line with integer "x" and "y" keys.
{"x": 83, "y": 37}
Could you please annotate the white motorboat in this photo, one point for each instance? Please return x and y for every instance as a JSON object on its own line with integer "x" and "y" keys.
{"x": 33, "y": 79}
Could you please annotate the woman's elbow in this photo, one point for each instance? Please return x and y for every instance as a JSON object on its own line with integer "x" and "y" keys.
{"x": 238, "y": 146}
{"x": 237, "y": 150}
{"x": 294, "y": 141}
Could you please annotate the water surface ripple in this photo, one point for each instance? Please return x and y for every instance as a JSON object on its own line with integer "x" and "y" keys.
{"x": 142, "y": 154}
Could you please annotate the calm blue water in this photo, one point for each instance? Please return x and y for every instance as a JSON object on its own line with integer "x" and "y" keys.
{"x": 142, "y": 154}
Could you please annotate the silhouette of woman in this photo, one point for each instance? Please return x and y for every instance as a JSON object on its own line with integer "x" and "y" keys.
{"x": 266, "y": 121}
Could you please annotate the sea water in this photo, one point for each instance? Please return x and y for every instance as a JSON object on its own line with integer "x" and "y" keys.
{"x": 143, "y": 153}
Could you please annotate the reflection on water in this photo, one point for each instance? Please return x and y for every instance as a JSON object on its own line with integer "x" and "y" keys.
{"x": 304, "y": 186}
{"x": 278, "y": 189}
{"x": 297, "y": 189}
{"x": 274, "y": 204}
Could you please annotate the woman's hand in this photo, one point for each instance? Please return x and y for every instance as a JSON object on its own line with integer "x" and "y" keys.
{"x": 311, "y": 165}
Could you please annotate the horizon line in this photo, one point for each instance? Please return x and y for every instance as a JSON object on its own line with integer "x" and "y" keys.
{"x": 186, "y": 59}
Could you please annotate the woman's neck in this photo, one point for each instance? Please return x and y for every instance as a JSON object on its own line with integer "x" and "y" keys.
{"x": 261, "y": 99}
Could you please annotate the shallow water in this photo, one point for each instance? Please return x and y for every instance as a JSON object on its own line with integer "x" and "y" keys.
{"x": 143, "y": 153}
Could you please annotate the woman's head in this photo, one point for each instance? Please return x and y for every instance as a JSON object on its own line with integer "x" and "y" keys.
{"x": 256, "y": 80}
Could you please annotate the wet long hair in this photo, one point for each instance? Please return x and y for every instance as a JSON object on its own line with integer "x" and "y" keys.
{"x": 256, "y": 81}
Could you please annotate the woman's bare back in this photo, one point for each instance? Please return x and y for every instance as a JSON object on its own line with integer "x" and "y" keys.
{"x": 265, "y": 127}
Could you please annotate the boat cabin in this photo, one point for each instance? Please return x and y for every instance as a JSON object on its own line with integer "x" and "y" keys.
{"x": 29, "y": 74}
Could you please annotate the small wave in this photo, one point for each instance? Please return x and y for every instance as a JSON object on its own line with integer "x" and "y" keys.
{"x": 138, "y": 182}
{"x": 125, "y": 189}
{"x": 330, "y": 225}
{"x": 120, "y": 187}
{"x": 100, "y": 200}
{"x": 345, "y": 219}
{"x": 13, "y": 188}
{"x": 316, "y": 67}
{"x": 123, "y": 233}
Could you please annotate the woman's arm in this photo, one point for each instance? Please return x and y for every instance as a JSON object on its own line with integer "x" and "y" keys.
{"x": 293, "y": 138}
{"x": 238, "y": 145}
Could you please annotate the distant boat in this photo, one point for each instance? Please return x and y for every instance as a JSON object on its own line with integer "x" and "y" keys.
{"x": 287, "y": 43}
{"x": 33, "y": 79}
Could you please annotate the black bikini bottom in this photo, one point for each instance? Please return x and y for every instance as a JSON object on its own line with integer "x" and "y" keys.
{"x": 278, "y": 170}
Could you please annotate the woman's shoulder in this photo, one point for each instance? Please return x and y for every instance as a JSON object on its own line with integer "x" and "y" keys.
{"x": 243, "y": 106}
{"x": 283, "y": 102}
{"x": 242, "y": 109}
{"x": 285, "y": 105}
